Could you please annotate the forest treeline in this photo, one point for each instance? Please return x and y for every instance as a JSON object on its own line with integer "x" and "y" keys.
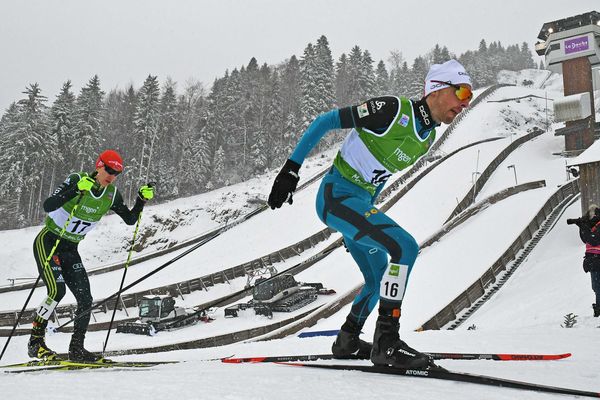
{"x": 192, "y": 139}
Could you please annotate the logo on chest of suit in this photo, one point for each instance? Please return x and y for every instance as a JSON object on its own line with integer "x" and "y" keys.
{"x": 88, "y": 209}
{"x": 424, "y": 115}
{"x": 402, "y": 156}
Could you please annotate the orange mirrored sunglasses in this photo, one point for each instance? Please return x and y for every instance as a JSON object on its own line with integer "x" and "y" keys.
{"x": 462, "y": 92}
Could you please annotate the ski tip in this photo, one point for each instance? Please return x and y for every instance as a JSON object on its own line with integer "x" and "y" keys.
{"x": 533, "y": 357}
{"x": 231, "y": 360}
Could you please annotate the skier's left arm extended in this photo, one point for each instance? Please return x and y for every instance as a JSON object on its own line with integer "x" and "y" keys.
{"x": 129, "y": 216}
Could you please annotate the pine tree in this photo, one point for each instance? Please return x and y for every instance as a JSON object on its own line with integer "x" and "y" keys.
{"x": 235, "y": 135}
{"x": 197, "y": 138}
{"x": 274, "y": 149}
{"x": 482, "y": 47}
{"x": 291, "y": 91}
{"x": 146, "y": 127}
{"x": 254, "y": 109}
{"x": 62, "y": 114}
{"x": 527, "y": 56}
{"x": 419, "y": 72}
{"x": 168, "y": 146}
{"x": 310, "y": 104}
{"x": 445, "y": 54}
{"x": 367, "y": 76}
{"x": 27, "y": 151}
{"x": 382, "y": 80}
{"x": 291, "y": 132}
{"x": 436, "y": 55}
{"x": 219, "y": 176}
{"x": 399, "y": 74}
{"x": 325, "y": 75}
{"x": 342, "y": 82}
{"x": 355, "y": 91}
{"x": 12, "y": 163}
{"x": 88, "y": 122}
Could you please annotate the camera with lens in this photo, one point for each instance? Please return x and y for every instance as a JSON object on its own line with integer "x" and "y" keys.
{"x": 574, "y": 221}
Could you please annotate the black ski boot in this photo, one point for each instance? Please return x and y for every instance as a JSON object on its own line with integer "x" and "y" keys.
{"x": 349, "y": 345}
{"x": 36, "y": 348}
{"x": 596, "y": 310}
{"x": 389, "y": 350}
{"x": 78, "y": 353}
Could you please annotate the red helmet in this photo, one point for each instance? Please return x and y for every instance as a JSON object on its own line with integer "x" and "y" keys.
{"x": 110, "y": 158}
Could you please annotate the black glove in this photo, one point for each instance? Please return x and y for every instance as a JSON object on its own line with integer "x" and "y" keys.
{"x": 591, "y": 262}
{"x": 284, "y": 185}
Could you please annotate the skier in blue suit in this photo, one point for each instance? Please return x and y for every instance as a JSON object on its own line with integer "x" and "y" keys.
{"x": 388, "y": 135}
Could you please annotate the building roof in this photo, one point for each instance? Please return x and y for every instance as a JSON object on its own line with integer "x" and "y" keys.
{"x": 590, "y": 155}
{"x": 576, "y": 21}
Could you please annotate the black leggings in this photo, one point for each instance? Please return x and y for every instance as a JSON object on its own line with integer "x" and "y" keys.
{"x": 64, "y": 268}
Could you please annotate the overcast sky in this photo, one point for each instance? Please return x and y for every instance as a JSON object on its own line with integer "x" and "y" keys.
{"x": 50, "y": 41}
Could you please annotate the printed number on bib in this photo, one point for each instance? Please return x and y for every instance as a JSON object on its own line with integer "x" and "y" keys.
{"x": 393, "y": 282}
{"x": 46, "y": 308}
{"x": 391, "y": 289}
{"x": 74, "y": 226}
{"x": 379, "y": 176}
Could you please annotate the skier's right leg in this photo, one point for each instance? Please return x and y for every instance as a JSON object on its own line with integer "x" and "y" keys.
{"x": 371, "y": 263}
{"x": 77, "y": 281}
{"x": 348, "y": 209}
{"x": 51, "y": 274}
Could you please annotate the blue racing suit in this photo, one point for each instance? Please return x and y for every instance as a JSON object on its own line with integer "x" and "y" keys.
{"x": 347, "y": 205}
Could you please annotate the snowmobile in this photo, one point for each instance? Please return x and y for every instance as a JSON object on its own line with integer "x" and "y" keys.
{"x": 159, "y": 313}
{"x": 279, "y": 294}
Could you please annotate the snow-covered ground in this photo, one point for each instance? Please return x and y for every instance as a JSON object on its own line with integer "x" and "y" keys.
{"x": 524, "y": 317}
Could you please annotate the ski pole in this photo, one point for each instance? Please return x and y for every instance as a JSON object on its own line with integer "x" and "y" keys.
{"x": 46, "y": 261}
{"x": 137, "y": 225}
{"x": 149, "y": 274}
{"x": 132, "y": 284}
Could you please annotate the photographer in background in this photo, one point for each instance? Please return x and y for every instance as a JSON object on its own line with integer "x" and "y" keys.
{"x": 589, "y": 231}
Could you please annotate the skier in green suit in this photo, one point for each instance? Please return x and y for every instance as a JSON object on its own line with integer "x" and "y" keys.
{"x": 91, "y": 197}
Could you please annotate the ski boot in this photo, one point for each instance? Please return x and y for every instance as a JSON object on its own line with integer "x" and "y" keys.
{"x": 596, "y": 310}
{"x": 389, "y": 350}
{"x": 36, "y": 348}
{"x": 349, "y": 345}
{"x": 79, "y": 354}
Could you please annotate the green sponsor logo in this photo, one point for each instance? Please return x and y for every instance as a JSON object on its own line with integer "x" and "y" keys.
{"x": 394, "y": 270}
